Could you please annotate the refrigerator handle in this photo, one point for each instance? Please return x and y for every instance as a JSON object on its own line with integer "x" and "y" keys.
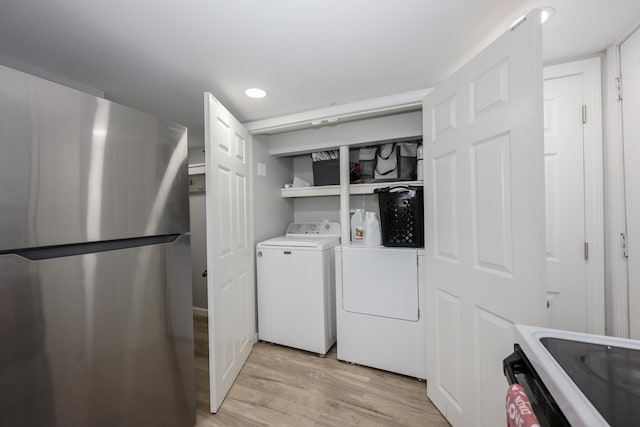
{"x": 48, "y": 252}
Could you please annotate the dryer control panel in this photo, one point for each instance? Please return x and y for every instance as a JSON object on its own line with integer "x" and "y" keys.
{"x": 324, "y": 228}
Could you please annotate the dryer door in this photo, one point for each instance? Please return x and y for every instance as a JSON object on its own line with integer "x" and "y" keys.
{"x": 380, "y": 281}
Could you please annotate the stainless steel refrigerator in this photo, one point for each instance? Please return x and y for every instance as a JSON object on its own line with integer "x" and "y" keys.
{"x": 96, "y": 323}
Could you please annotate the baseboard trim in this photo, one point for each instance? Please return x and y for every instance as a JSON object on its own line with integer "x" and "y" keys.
{"x": 197, "y": 311}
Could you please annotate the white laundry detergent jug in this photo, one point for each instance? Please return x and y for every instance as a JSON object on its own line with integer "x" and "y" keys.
{"x": 372, "y": 232}
{"x": 357, "y": 226}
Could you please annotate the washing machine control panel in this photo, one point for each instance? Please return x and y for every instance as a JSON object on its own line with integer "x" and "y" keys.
{"x": 323, "y": 228}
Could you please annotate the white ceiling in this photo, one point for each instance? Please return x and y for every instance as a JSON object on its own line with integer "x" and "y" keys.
{"x": 160, "y": 56}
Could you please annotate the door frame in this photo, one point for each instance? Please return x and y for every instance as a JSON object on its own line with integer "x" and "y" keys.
{"x": 617, "y": 277}
{"x": 593, "y": 182}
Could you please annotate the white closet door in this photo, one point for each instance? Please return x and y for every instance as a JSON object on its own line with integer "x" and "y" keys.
{"x": 565, "y": 204}
{"x": 485, "y": 222}
{"x": 230, "y": 254}
{"x": 630, "y": 70}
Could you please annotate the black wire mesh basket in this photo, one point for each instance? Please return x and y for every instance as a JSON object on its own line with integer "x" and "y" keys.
{"x": 402, "y": 216}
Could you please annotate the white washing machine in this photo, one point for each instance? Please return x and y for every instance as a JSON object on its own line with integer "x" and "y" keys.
{"x": 296, "y": 287}
{"x": 380, "y": 303}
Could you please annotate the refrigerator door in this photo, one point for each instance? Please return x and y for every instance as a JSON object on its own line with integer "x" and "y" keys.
{"x": 97, "y": 339}
{"x": 76, "y": 168}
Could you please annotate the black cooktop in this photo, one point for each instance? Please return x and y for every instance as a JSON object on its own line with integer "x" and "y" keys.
{"x": 608, "y": 376}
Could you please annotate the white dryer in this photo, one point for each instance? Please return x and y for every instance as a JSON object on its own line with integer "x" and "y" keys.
{"x": 296, "y": 287}
{"x": 380, "y": 303}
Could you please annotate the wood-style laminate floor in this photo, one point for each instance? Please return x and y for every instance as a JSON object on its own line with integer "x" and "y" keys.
{"x": 280, "y": 386}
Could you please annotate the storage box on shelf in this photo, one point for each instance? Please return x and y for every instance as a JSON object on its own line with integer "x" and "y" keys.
{"x": 326, "y": 168}
{"x": 326, "y": 172}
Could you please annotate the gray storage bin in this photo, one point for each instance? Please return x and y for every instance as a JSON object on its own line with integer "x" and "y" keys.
{"x": 326, "y": 168}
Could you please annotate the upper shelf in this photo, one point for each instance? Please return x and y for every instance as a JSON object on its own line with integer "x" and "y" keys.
{"x": 334, "y": 190}
{"x": 196, "y": 168}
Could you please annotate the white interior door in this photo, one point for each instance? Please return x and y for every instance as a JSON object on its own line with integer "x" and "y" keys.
{"x": 565, "y": 203}
{"x": 230, "y": 254}
{"x": 485, "y": 231}
{"x": 630, "y": 71}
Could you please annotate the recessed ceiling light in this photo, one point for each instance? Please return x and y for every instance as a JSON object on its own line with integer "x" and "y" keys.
{"x": 546, "y": 13}
{"x": 255, "y": 92}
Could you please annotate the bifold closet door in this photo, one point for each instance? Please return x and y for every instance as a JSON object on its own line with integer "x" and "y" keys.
{"x": 484, "y": 222}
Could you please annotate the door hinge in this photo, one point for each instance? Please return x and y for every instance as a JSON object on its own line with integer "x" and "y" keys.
{"x": 584, "y": 114}
{"x": 623, "y": 238}
{"x": 586, "y": 251}
{"x": 619, "y": 88}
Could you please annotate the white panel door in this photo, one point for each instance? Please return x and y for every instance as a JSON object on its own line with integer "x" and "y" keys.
{"x": 630, "y": 70}
{"x": 485, "y": 230}
{"x": 565, "y": 204}
{"x": 230, "y": 254}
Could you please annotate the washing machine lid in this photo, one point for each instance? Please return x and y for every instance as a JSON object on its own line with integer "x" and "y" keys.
{"x": 315, "y": 242}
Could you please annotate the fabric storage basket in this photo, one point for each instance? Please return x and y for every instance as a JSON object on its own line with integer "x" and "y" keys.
{"x": 367, "y": 161}
{"x": 402, "y": 216}
{"x": 396, "y": 161}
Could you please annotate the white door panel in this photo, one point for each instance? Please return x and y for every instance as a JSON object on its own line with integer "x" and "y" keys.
{"x": 630, "y": 70}
{"x": 230, "y": 258}
{"x": 565, "y": 203}
{"x": 491, "y": 204}
{"x": 446, "y": 212}
{"x": 484, "y": 219}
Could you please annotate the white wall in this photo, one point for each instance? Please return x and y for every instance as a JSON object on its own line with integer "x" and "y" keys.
{"x": 198, "y": 227}
{"x": 196, "y": 155}
{"x": 314, "y": 209}
{"x": 272, "y": 213}
{"x": 302, "y": 168}
{"x": 198, "y": 248}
